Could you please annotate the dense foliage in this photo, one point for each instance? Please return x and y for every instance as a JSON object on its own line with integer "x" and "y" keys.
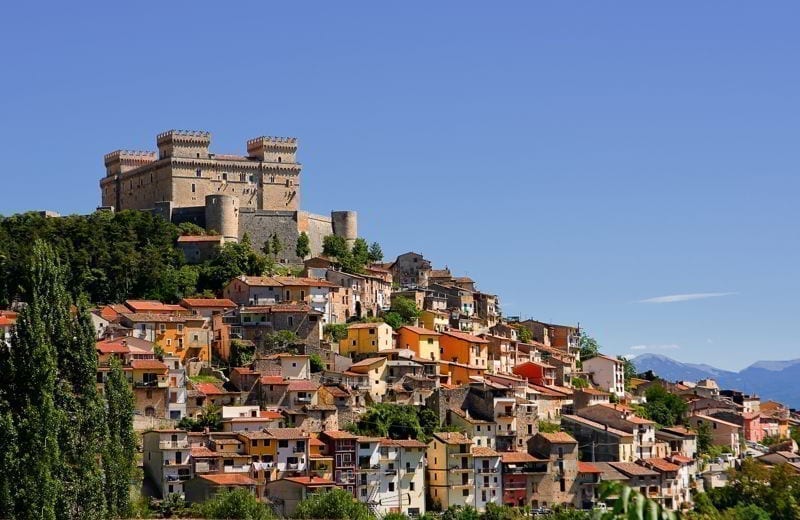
{"x": 236, "y": 504}
{"x": 397, "y": 421}
{"x": 403, "y": 311}
{"x": 336, "y": 504}
{"x": 112, "y": 257}
{"x": 663, "y": 407}
{"x": 65, "y": 453}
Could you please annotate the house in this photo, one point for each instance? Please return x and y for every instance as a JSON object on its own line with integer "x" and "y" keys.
{"x": 424, "y": 343}
{"x": 434, "y": 319}
{"x": 674, "y": 490}
{"x": 480, "y": 431}
{"x": 391, "y": 475}
{"x": 451, "y": 470}
{"x": 255, "y": 323}
{"x": 376, "y": 370}
{"x": 149, "y": 378}
{"x": 681, "y": 440}
{"x": 466, "y": 349}
{"x": 560, "y": 486}
{"x": 182, "y": 335}
{"x": 207, "y": 307}
{"x": 487, "y": 306}
{"x": 585, "y": 397}
{"x": 538, "y": 373}
{"x": 564, "y": 337}
{"x": 588, "y": 480}
{"x": 459, "y": 374}
{"x": 293, "y": 366}
{"x": 204, "y": 487}
{"x": 640, "y": 478}
{"x": 253, "y": 290}
{"x": 291, "y": 450}
{"x": 520, "y": 472}
{"x": 723, "y": 433}
{"x": 342, "y": 447}
{"x": 285, "y": 494}
{"x": 165, "y": 459}
{"x": 7, "y": 321}
{"x": 488, "y": 481}
{"x": 607, "y": 373}
{"x": 410, "y": 270}
{"x": 600, "y": 442}
{"x": 366, "y": 338}
{"x": 502, "y": 353}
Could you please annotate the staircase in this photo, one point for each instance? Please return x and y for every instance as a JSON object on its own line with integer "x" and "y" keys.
{"x": 371, "y": 503}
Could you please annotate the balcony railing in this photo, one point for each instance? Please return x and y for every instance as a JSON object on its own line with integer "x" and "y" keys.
{"x": 173, "y": 445}
{"x": 487, "y": 470}
{"x": 242, "y": 468}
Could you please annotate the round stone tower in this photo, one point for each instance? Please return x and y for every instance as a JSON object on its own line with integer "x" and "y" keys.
{"x": 345, "y": 224}
{"x": 222, "y": 216}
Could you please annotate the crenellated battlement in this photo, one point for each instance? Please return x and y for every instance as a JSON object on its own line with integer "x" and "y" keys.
{"x": 199, "y": 137}
{"x": 130, "y": 156}
{"x": 269, "y": 148}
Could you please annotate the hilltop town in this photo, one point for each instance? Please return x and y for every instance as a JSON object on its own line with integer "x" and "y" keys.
{"x": 316, "y": 365}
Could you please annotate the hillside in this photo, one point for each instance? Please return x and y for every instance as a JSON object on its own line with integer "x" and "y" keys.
{"x": 769, "y": 379}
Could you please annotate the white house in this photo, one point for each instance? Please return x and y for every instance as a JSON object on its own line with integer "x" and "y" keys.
{"x": 607, "y": 372}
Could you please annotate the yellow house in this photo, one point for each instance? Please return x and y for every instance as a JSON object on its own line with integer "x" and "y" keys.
{"x": 183, "y": 336}
{"x": 423, "y": 342}
{"x": 375, "y": 369}
{"x": 321, "y": 463}
{"x": 451, "y": 475}
{"x": 366, "y": 338}
{"x": 434, "y": 320}
{"x": 259, "y": 445}
{"x": 458, "y": 373}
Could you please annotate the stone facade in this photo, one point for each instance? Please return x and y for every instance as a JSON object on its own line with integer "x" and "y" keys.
{"x": 183, "y": 180}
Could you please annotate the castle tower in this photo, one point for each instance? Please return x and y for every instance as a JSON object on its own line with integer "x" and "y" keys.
{"x": 280, "y": 172}
{"x": 183, "y": 143}
{"x": 117, "y": 163}
{"x": 345, "y": 224}
{"x": 222, "y": 216}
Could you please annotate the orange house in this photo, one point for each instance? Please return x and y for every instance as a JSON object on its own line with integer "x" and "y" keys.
{"x": 423, "y": 342}
{"x": 184, "y": 336}
{"x": 466, "y": 349}
{"x": 537, "y": 373}
{"x": 458, "y": 373}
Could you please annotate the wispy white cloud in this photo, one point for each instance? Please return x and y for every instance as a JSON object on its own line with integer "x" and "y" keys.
{"x": 668, "y": 346}
{"x": 673, "y": 298}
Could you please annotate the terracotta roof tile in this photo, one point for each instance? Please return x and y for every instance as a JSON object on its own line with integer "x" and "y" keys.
{"x": 517, "y": 457}
{"x": 148, "y": 364}
{"x": 273, "y": 380}
{"x": 287, "y": 433}
{"x": 587, "y": 467}
{"x": 421, "y": 330}
{"x": 303, "y": 386}
{"x": 452, "y": 437}
{"x": 208, "y": 302}
{"x": 483, "y": 451}
{"x": 311, "y": 481}
{"x": 633, "y": 469}
{"x": 558, "y": 438}
{"x": 229, "y": 479}
{"x": 338, "y": 434}
{"x": 210, "y": 389}
{"x": 660, "y": 465}
{"x": 464, "y": 337}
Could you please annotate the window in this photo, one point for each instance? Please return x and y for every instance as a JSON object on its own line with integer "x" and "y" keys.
{"x": 430, "y": 341}
{"x": 194, "y": 189}
{"x": 465, "y": 493}
{"x": 224, "y": 176}
{"x": 180, "y": 327}
{"x": 391, "y": 486}
{"x": 411, "y": 486}
{"x": 283, "y": 443}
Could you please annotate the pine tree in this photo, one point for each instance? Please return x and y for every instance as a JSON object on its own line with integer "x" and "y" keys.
{"x": 118, "y": 460}
{"x": 375, "y": 253}
{"x": 276, "y": 245}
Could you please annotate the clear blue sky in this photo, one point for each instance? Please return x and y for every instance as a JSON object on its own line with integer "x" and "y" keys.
{"x": 574, "y": 157}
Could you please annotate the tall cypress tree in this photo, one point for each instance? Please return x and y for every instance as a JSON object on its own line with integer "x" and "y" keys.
{"x": 121, "y": 447}
{"x": 30, "y": 394}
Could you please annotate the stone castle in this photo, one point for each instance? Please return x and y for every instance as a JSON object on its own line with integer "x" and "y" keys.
{"x": 257, "y": 193}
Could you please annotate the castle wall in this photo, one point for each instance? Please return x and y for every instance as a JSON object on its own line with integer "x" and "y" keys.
{"x": 222, "y": 215}
{"x": 317, "y": 227}
{"x": 260, "y": 225}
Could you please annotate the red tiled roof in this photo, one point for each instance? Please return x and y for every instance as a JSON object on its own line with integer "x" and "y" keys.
{"x": 633, "y": 469}
{"x": 338, "y": 434}
{"x": 303, "y": 386}
{"x": 208, "y": 302}
{"x": 464, "y": 337}
{"x": 661, "y": 465}
{"x": 199, "y": 238}
{"x": 367, "y": 362}
{"x": 517, "y": 457}
{"x": 677, "y": 457}
{"x": 335, "y": 391}
{"x": 587, "y": 467}
{"x": 311, "y": 481}
{"x": 421, "y": 331}
{"x": 148, "y": 364}
{"x": 452, "y": 437}
{"x": 6, "y": 321}
{"x": 409, "y": 443}
{"x": 558, "y": 438}
{"x": 152, "y": 306}
{"x": 202, "y": 451}
{"x": 273, "y": 380}
{"x": 270, "y": 414}
{"x": 290, "y": 281}
{"x": 110, "y": 346}
{"x": 286, "y": 433}
{"x": 483, "y": 451}
{"x": 278, "y": 307}
{"x": 229, "y": 479}
{"x": 259, "y": 281}
{"x": 209, "y": 388}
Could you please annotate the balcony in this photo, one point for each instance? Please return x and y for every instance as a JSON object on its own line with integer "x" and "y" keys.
{"x": 304, "y": 400}
{"x": 180, "y": 477}
{"x": 460, "y": 454}
{"x": 487, "y": 470}
{"x": 390, "y": 472}
{"x": 173, "y": 445}
{"x": 151, "y": 384}
{"x": 174, "y": 464}
{"x": 292, "y": 467}
{"x": 242, "y": 468}
{"x": 506, "y": 433}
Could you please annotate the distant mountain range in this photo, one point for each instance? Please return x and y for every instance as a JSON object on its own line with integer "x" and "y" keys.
{"x": 778, "y": 380}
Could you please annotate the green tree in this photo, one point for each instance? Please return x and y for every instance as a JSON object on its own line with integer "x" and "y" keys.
{"x": 317, "y": 365}
{"x": 336, "y": 504}
{"x": 663, "y": 407}
{"x": 335, "y": 332}
{"x": 360, "y": 253}
{"x": 501, "y": 512}
{"x": 704, "y": 438}
{"x": 549, "y": 427}
{"x": 375, "y": 253}
{"x": 240, "y": 354}
{"x": 238, "y": 504}
{"x": 303, "y": 247}
{"x": 403, "y": 311}
{"x": 396, "y": 421}
{"x": 335, "y": 246}
{"x": 524, "y": 334}
{"x": 395, "y": 516}
{"x": 460, "y": 513}
{"x": 589, "y": 346}
{"x": 630, "y": 505}
{"x": 119, "y": 458}
{"x": 629, "y": 369}
{"x": 190, "y": 228}
{"x": 275, "y": 244}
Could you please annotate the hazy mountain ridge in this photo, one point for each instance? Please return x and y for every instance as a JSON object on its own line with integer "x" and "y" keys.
{"x": 778, "y": 380}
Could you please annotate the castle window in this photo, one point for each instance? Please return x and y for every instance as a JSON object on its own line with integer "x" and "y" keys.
{"x": 193, "y": 188}
{"x": 224, "y": 176}
{"x": 242, "y": 177}
{"x": 279, "y": 158}
{"x": 198, "y": 172}
{"x": 271, "y": 178}
{"x": 252, "y": 178}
